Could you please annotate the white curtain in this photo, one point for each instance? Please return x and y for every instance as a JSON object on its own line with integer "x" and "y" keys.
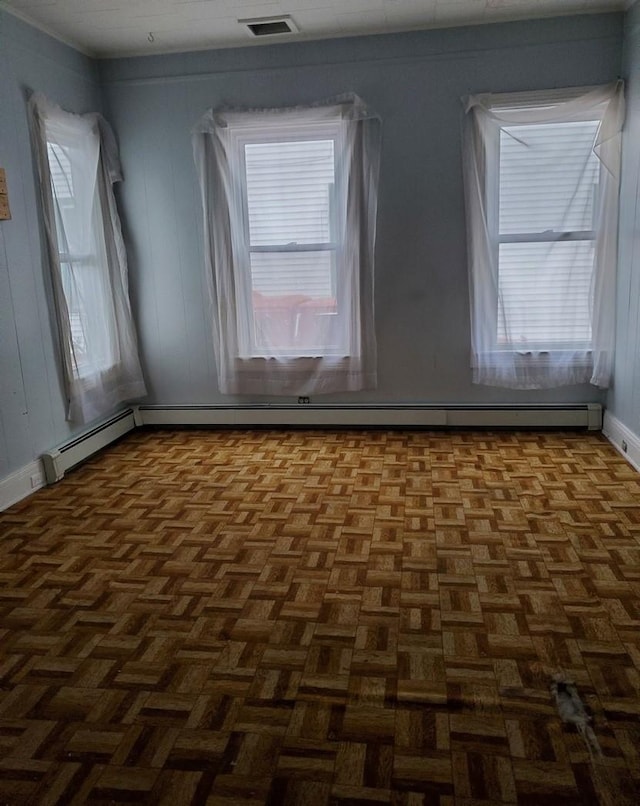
{"x": 289, "y": 198}
{"x": 78, "y": 162}
{"x": 541, "y": 175}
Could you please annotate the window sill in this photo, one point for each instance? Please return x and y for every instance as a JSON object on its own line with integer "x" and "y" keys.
{"x": 252, "y": 359}
{"x": 543, "y": 354}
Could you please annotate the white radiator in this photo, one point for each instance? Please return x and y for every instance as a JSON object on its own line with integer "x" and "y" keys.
{"x": 584, "y": 415}
{"x": 58, "y": 460}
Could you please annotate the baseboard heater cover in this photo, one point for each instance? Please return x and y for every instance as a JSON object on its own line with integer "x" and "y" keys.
{"x": 585, "y": 415}
{"x": 58, "y": 460}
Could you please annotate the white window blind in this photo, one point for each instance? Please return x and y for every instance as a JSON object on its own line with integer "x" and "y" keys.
{"x": 548, "y": 179}
{"x": 289, "y": 200}
{"x": 87, "y": 296}
{"x": 63, "y": 192}
{"x": 60, "y": 168}
{"x": 289, "y": 191}
{"x": 290, "y": 197}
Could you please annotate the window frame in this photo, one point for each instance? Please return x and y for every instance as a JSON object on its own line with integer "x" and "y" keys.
{"x": 286, "y": 132}
{"x": 497, "y": 239}
{"x": 85, "y": 261}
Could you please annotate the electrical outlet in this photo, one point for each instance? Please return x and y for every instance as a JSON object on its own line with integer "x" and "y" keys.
{"x": 303, "y": 400}
{"x": 624, "y": 445}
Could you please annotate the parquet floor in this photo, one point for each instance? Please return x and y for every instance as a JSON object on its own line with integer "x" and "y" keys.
{"x": 350, "y": 618}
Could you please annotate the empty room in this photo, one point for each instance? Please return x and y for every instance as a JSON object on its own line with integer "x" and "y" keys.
{"x": 319, "y": 402}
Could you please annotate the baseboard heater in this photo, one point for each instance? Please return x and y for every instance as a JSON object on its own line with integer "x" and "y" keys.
{"x": 584, "y": 415}
{"x": 58, "y": 460}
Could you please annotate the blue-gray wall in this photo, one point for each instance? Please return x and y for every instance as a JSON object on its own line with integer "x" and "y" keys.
{"x": 31, "y": 402}
{"x": 414, "y": 81}
{"x": 624, "y": 398}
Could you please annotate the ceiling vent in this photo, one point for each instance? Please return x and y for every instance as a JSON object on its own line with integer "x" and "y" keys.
{"x": 270, "y": 26}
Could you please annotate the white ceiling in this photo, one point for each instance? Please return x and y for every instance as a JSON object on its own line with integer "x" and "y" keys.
{"x": 127, "y": 27}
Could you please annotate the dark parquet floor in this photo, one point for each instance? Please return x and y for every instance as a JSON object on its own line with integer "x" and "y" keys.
{"x": 346, "y": 618}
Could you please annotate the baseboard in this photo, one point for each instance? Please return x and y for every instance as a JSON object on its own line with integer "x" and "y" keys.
{"x": 22, "y": 483}
{"x": 58, "y": 460}
{"x": 623, "y": 439}
{"x": 587, "y": 415}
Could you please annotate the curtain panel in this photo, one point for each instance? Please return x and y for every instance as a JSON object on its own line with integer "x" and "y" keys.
{"x": 541, "y": 175}
{"x": 289, "y": 199}
{"x": 78, "y": 163}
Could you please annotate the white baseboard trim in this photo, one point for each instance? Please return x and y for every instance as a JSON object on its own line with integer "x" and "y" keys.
{"x": 22, "y": 483}
{"x": 623, "y": 439}
{"x": 586, "y": 415}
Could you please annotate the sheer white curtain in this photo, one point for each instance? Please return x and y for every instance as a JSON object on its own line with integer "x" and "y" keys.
{"x": 78, "y": 162}
{"x": 541, "y": 177}
{"x": 289, "y": 199}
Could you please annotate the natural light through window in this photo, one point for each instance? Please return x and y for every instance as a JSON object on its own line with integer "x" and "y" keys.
{"x": 84, "y": 285}
{"x": 542, "y": 177}
{"x": 548, "y": 182}
{"x": 290, "y": 189}
{"x": 289, "y": 208}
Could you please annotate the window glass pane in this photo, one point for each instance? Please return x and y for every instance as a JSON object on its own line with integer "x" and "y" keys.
{"x": 308, "y": 273}
{"x": 544, "y": 293}
{"x": 290, "y": 192}
{"x": 90, "y": 337}
{"x": 548, "y": 177}
{"x": 60, "y": 169}
{"x": 67, "y": 213}
{"x": 79, "y": 231}
{"x": 294, "y": 304}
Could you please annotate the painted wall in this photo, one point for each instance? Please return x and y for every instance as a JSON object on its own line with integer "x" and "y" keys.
{"x": 624, "y": 397}
{"x": 414, "y": 81}
{"x": 31, "y": 401}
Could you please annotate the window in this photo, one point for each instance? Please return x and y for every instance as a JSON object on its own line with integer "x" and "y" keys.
{"x": 292, "y": 239}
{"x": 77, "y": 163}
{"x": 289, "y": 202}
{"x": 545, "y": 234}
{"x": 541, "y": 174}
{"x": 93, "y": 346}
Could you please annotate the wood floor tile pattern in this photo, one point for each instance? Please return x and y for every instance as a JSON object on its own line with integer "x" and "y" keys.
{"x": 199, "y": 617}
